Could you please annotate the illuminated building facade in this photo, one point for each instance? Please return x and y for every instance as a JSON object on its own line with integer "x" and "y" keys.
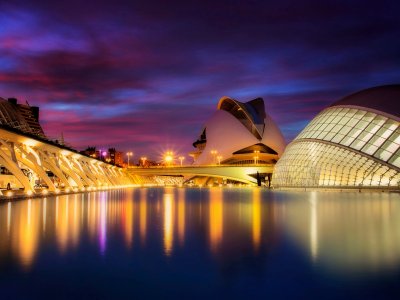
{"x": 115, "y": 157}
{"x": 22, "y": 117}
{"x": 239, "y": 133}
{"x": 353, "y": 143}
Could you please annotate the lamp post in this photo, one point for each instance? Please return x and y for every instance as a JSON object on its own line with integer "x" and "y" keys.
{"x": 219, "y": 157}
{"x": 214, "y": 153}
{"x": 181, "y": 158}
{"x": 256, "y": 156}
{"x": 143, "y": 158}
{"x": 129, "y": 154}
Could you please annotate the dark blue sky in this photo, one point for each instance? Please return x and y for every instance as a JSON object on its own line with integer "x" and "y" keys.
{"x": 145, "y": 75}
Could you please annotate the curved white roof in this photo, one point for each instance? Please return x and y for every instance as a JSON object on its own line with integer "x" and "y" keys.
{"x": 235, "y": 126}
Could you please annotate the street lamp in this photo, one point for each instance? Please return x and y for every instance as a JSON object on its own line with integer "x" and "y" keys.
{"x": 143, "y": 158}
{"x": 214, "y": 153}
{"x": 219, "y": 157}
{"x": 256, "y": 156}
{"x": 129, "y": 154}
{"x": 181, "y": 158}
{"x": 168, "y": 157}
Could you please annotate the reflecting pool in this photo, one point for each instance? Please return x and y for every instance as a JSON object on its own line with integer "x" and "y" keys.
{"x": 201, "y": 243}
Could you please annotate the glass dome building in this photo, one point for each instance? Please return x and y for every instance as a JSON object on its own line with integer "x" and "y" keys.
{"x": 353, "y": 143}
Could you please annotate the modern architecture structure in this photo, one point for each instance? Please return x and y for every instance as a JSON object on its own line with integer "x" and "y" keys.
{"x": 31, "y": 163}
{"x": 239, "y": 133}
{"x": 22, "y": 117}
{"x": 352, "y": 143}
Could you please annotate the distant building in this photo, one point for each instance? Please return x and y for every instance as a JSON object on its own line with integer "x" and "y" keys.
{"x": 91, "y": 151}
{"x": 115, "y": 157}
{"x": 111, "y": 156}
{"x": 355, "y": 142}
{"x": 22, "y": 117}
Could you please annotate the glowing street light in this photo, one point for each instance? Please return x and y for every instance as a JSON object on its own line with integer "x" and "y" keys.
{"x": 143, "y": 158}
{"x": 129, "y": 154}
{"x": 168, "y": 158}
{"x": 256, "y": 156}
{"x": 181, "y": 158}
{"x": 103, "y": 155}
{"x": 214, "y": 153}
{"x": 219, "y": 157}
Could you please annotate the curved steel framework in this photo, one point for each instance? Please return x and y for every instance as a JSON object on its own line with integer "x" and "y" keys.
{"x": 30, "y": 160}
{"x": 343, "y": 146}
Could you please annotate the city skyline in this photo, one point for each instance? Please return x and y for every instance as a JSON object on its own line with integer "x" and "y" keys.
{"x": 146, "y": 77}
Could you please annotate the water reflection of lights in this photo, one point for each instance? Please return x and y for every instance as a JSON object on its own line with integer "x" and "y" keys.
{"x": 8, "y": 217}
{"x": 128, "y": 218}
{"x": 181, "y": 216}
{"x": 143, "y": 215}
{"x": 256, "y": 214}
{"x": 103, "y": 222}
{"x": 313, "y": 227}
{"x": 216, "y": 217}
{"x": 351, "y": 234}
{"x": 26, "y": 241}
{"x": 44, "y": 213}
{"x": 168, "y": 222}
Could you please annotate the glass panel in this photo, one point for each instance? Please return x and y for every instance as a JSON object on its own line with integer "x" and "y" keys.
{"x": 395, "y": 137}
{"x": 338, "y": 137}
{"x": 369, "y": 149}
{"x": 390, "y": 124}
{"x": 383, "y": 154}
{"x": 352, "y": 122}
{"x": 361, "y": 125}
{"x": 357, "y": 144}
{"x": 379, "y": 120}
{"x": 359, "y": 114}
{"x": 395, "y": 160}
{"x": 372, "y": 128}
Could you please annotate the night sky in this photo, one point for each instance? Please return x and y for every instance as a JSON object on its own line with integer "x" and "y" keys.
{"x": 144, "y": 76}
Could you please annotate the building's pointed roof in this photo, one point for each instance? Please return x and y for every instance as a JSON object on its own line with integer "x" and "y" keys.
{"x": 251, "y": 114}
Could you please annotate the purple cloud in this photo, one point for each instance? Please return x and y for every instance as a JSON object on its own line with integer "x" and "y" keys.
{"x": 146, "y": 76}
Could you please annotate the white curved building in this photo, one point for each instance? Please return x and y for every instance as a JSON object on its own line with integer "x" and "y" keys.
{"x": 353, "y": 143}
{"x": 239, "y": 133}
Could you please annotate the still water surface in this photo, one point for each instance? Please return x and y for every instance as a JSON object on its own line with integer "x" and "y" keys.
{"x": 201, "y": 243}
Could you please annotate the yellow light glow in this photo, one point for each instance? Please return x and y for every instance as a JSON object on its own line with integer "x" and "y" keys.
{"x": 216, "y": 218}
{"x": 168, "y": 223}
{"x": 181, "y": 216}
{"x": 256, "y": 214}
{"x": 128, "y": 213}
{"x": 27, "y": 227}
{"x": 143, "y": 215}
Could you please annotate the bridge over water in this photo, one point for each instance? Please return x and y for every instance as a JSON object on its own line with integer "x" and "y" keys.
{"x": 243, "y": 173}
